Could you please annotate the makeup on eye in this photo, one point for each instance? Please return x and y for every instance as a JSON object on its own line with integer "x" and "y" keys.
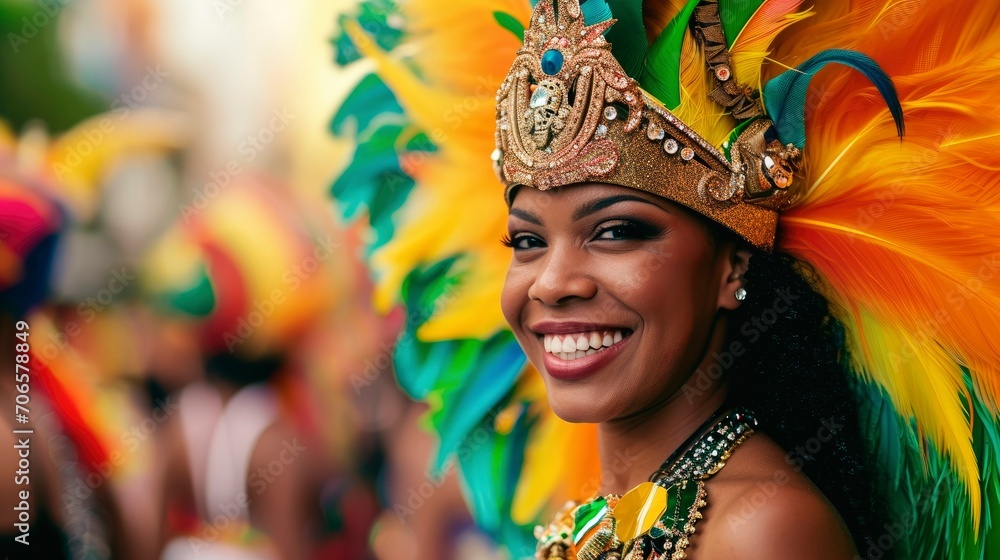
{"x": 627, "y": 229}
{"x": 515, "y": 241}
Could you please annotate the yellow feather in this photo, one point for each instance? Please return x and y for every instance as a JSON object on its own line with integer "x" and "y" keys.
{"x": 908, "y": 236}
{"x": 559, "y": 459}
{"x": 752, "y": 45}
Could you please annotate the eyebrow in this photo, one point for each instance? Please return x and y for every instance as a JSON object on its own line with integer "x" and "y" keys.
{"x": 587, "y": 209}
{"x": 602, "y": 203}
{"x": 526, "y": 216}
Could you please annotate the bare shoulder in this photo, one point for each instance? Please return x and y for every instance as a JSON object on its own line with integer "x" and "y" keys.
{"x": 759, "y": 506}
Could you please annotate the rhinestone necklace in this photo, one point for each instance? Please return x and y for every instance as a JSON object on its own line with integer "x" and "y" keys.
{"x": 654, "y": 520}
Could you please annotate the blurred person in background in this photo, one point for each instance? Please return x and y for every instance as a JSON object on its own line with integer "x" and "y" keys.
{"x": 252, "y": 279}
{"x": 30, "y": 223}
{"x": 53, "y": 514}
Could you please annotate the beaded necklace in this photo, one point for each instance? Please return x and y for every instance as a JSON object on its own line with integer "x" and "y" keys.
{"x": 656, "y": 519}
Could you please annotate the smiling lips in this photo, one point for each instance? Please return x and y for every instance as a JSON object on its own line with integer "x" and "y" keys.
{"x": 572, "y": 346}
{"x": 572, "y": 352}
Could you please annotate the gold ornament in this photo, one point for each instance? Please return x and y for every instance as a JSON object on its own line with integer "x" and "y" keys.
{"x": 567, "y": 113}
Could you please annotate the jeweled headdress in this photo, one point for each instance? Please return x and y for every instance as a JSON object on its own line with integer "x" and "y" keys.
{"x": 568, "y": 112}
{"x": 904, "y": 235}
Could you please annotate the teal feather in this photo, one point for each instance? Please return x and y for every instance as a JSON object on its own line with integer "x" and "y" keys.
{"x": 491, "y": 466}
{"x": 661, "y": 74}
{"x": 476, "y": 373}
{"x": 378, "y": 19}
{"x": 374, "y": 181}
{"x": 475, "y": 377}
{"x": 628, "y": 35}
{"x": 785, "y": 95}
{"x": 479, "y": 377}
{"x": 734, "y": 15}
{"x": 924, "y": 490}
{"x": 369, "y": 101}
{"x": 595, "y": 11}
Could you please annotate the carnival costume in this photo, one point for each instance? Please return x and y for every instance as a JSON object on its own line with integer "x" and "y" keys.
{"x": 713, "y": 112}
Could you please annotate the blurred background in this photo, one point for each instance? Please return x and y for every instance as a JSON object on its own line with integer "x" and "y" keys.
{"x": 207, "y": 377}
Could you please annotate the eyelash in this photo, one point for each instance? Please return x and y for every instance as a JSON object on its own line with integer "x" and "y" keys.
{"x": 633, "y": 231}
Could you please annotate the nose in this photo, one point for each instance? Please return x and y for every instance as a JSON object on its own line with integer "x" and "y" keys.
{"x": 563, "y": 276}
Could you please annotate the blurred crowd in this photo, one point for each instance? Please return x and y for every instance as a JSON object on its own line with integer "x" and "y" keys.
{"x": 204, "y": 375}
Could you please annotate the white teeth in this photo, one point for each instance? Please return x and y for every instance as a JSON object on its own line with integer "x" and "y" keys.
{"x": 573, "y": 346}
{"x": 569, "y": 345}
{"x": 595, "y": 340}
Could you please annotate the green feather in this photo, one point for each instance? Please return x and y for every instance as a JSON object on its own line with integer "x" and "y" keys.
{"x": 379, "y": 19}
{"x": 734, "y": 15}
{"x": 491, "y": 467}
{"x": 374, "y": 181}
{"x": 727, "y": 146}
{"x": 370, "y": 101}
{"x": 661, "y": 74}
{"x": 628, "y": 35}
{"x": 510, "y": 23}
{"x": 595, "y": 11}
{"x": 198, "y": 299}
{"x": 921, "y": 490}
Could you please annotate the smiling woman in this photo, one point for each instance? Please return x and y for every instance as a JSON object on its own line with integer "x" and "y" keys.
{"x": 768, "y": 351}
{"x": 612, "y": 264}
{"x": 627, "y": 303}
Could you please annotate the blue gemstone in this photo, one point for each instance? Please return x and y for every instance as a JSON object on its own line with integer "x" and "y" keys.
{"x": 552, "y": 62}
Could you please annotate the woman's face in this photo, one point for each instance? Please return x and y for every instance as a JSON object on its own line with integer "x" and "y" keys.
{"x": 613, "y": 294}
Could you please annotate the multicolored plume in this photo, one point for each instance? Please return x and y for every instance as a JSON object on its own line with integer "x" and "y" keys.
{"x": 905, "y": 233}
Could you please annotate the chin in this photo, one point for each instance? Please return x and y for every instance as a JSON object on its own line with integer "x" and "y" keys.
{"x": 577, "y": 403}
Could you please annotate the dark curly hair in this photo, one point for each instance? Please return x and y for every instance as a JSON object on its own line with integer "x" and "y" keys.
{"x": 795, "y": 375}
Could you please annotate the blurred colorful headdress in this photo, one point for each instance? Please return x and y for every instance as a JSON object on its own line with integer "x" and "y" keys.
{"x": 245, "y": 269}
{"x": 903, "y": 236}
{"x": 570, "y": 112}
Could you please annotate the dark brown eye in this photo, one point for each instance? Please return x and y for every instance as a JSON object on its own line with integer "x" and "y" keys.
{"x": 522, "y": 242}
{"x": 625, "y": 230}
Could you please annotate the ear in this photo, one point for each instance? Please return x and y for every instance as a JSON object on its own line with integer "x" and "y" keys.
{"x": 733, "y": 270}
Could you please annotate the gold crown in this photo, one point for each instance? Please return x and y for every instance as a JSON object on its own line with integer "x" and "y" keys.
{"x": 567, "y": 113}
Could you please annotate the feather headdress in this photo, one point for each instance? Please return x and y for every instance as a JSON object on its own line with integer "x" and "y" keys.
{"x": 906, "y": 235}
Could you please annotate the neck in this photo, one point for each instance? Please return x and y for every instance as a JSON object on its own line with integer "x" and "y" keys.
{"x": 633, "y": 448}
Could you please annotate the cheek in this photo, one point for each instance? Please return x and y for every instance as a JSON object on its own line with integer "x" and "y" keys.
{"x": 514, "y": 296}
{"x": 673, "y": 299}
